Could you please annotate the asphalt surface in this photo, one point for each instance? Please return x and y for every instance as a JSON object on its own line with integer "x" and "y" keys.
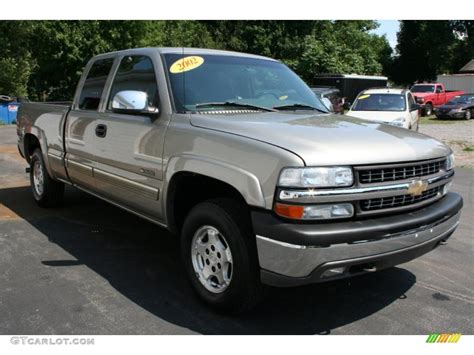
{"x": 91, "y": 268}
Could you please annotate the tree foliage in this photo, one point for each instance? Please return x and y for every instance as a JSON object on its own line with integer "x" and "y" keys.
{"x": 428, "y": 48}
{"x": 44, "y": 59}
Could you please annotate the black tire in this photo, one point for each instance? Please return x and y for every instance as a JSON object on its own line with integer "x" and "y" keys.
{"x": 52, "y": 192}
{"x": 468, "y": 114}
{"x": 428, "y": 110}
{"x": 231, "y": 219}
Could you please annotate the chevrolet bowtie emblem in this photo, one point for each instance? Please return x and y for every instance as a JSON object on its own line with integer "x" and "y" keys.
{"x": 417, "y": 187}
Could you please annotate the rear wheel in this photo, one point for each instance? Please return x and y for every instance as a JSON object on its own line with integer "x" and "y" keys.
{"x": 46, "y": 191}
{"x": 428, "y": 109}
{"x": 219, "y": 254}
{"x": 468, "y": 114}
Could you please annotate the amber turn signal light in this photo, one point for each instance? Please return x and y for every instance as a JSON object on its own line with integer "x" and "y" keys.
{"x": 289, "y": 211}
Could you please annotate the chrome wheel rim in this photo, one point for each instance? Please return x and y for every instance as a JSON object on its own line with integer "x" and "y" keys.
{"x": 212, "y": 259}
{"x": 38, "y": 178}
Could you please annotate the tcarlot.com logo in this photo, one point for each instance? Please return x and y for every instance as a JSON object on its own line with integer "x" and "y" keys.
{"x": 443, "y": 338}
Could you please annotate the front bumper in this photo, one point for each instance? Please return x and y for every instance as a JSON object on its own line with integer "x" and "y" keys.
{"x": 294, "y": 254}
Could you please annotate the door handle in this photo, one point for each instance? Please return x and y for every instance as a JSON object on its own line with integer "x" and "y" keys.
{"x": 101, "y": 130}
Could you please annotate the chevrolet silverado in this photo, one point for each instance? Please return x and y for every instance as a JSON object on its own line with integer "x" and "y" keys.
{"x": 235, "y": 154}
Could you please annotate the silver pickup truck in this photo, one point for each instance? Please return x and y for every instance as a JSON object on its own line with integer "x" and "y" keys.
{"x": 236, "y": 155}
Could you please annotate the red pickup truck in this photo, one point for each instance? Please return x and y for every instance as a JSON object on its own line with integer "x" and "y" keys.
{"x": 432, "y": 95}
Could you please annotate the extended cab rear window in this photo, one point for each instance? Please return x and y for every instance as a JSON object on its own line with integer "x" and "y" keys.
{"x": 94, "y": 84}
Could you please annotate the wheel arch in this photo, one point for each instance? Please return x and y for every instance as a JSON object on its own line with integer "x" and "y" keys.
{"x": 198, "y": 179}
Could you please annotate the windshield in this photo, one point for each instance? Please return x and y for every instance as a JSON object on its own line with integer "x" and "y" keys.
{"x": 198, "y": 81}
{"x": 464, "y": 99}
{"x": 422, "y": 88}
{"x": 380, "y": 102}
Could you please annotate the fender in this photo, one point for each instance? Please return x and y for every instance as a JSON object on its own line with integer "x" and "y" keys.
{"x": 39, "y": 134}
{"x": 244, "y": 182}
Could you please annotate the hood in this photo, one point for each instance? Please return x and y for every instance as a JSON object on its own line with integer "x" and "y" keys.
{"x": 378, "y": 116}
{"x": 422, "y": 94}
{"x": 321, "y": 139}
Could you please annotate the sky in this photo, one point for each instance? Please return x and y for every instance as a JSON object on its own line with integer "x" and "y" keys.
{"x": 389, "y": 28}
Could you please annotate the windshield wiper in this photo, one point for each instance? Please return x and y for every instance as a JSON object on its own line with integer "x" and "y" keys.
{"x": 298, "y": 106}
{"x": 233, "y": 104}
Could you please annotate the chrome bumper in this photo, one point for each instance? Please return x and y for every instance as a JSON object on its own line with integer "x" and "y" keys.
{"x": 293, "y": 264}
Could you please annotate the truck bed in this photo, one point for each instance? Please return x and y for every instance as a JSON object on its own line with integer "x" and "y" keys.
{"x": 44, "y": 120}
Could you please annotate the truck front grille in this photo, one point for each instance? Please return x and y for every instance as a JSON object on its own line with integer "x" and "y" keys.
{"x": 396, "y": 173}
{"x": 398, "y": 201}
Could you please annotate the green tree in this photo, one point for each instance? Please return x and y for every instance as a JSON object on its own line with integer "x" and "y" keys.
{"x": 45, "y": 58}
{"x": 428, "y": 48}
{"x": 16, "y": 62}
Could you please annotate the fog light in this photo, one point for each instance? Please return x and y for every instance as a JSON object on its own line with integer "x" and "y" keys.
{"x": 446, "y": 188}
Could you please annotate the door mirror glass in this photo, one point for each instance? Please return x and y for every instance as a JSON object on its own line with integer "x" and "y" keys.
{"x": 327, "y": 103}
{"x": 414, "y": 107}
{"x": 132, "y": 101}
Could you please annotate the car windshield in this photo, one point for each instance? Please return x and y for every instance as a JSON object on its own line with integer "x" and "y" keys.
{"x": 380, "y": 102}
{"x": 422, "y": 88}
{"x": 464, "y": 99}
{"x": 222, "y": 82}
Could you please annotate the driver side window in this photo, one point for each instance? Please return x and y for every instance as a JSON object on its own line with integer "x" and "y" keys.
{"x": 135, "y": 73}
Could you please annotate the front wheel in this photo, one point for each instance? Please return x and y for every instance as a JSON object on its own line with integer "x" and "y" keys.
{"x": 428, "y": 110}
{"x": 46, "y": 191}
{"x": 468, "y": 115}
{"x": 220, "y": 257}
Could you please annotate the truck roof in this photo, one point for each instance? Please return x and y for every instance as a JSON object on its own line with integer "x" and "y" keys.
{"x": 185, "y": 51}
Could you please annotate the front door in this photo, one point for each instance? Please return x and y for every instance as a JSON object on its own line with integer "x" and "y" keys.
{"x": 129, "y": 163}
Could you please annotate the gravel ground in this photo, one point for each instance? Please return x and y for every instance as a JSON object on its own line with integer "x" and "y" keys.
{"x": 459, "y": 136}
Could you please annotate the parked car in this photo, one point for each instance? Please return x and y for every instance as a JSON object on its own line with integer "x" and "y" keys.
{"x": 461, "y": 106}
{"x": 350, "y": 84}
{"x": 331, "y": 98}
{"x": 396, "y": 107}
{"x": 432, "y": 95}
{"x": 236, "y": 155}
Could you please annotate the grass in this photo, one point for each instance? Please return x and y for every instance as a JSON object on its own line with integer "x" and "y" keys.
{"x": 465, "y": 146}
{"x": 434, "y": 120}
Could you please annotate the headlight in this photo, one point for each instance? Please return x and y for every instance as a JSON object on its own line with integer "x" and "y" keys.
{"x": 316, "y": 177}
{"x": 450, "y": 162}
{"x": 399, "y": 122}
{"x": 420, "y": 100}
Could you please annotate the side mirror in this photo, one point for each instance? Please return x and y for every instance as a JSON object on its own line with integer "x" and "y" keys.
{"x": 414, "y": 107}
{"x": 328, "y": 104}
{"x": 133, "y": 102}
{"x": 347, "y": 105}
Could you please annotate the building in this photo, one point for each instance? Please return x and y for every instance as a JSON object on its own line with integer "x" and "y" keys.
{"x": 463, "y": 80}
